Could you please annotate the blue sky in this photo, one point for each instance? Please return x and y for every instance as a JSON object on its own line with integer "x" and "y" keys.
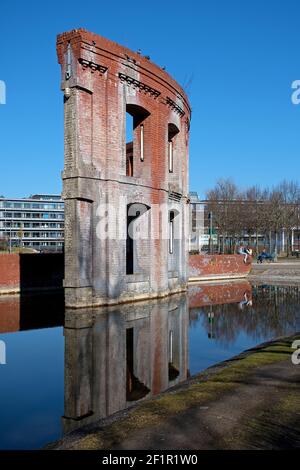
{"x": 237, "y": 59}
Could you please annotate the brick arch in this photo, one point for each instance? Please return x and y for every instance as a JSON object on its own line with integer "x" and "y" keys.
{"x": 138, "y": 112}
{"x": 136, "y": 150}
{"x": 173, "y": 130}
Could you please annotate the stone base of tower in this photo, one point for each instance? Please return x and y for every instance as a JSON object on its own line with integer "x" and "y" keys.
{"x": 82, "y": 297}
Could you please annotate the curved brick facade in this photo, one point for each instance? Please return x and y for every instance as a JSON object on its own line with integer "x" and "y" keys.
{"x": 102, "y": 81}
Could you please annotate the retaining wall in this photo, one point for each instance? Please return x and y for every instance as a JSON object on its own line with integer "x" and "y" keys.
{"x": 30, "y": 271}
{"x": 211, "y": 267}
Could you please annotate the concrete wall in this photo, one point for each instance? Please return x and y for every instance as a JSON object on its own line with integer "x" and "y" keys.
{"x": 206, "y": 267}
{"x": 101, "y": 80}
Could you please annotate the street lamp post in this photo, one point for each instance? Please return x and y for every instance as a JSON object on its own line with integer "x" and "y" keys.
{"x": 4, "y": 228}
{"x": 5, "y": 222}
{"x": 210, "y": 233}
{"x": 10, "y": 236}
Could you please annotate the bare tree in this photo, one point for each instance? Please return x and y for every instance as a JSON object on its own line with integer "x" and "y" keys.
{"x": 220, "y": 200}
{"x": 290, "y": 195}
{"x": 255, "y": 212}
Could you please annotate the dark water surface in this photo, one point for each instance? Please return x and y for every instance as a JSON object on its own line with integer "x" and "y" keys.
{"x": 65, "y": 369}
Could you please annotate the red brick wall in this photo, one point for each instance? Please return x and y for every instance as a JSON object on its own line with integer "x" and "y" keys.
{"x": 9, "y": 271}
{"x": 214, "y": 266}
{"x": 30, "y": 271}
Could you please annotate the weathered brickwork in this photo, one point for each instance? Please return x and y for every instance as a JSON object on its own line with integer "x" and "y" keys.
{"x": 9, "y": 273}
{"x": 102, "y": 81}
{"x": 206, "y": 267}
{"x": 30, "y": 271}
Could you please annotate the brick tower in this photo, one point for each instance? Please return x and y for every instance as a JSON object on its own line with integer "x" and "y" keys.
{"x": 126, "y": 211}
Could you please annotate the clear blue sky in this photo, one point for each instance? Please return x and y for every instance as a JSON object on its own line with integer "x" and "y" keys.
{"x": 238, "y": 58}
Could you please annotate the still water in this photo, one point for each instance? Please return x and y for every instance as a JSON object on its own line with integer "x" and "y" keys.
{"x": 65, "y": 369}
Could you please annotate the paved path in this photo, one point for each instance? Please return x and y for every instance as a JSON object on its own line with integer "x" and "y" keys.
{"x": 284, "y": 272}
{"x": 241, "y": 419}
{"x": 250, "y": 402}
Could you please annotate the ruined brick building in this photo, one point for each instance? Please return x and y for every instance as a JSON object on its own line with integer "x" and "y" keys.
{"x": 114, "y": 186}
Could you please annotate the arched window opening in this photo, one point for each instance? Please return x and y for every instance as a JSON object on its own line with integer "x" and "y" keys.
{"x": 172, "y": 132}
{"x": 171, "y": 232}
{"x": 129, "y": 145}
{"x": 135, "y": 131}
{"x": 134, "y": 211}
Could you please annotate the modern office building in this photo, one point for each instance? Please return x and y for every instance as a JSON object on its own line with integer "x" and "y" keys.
{"x": 197, "y": 234}
{"x": 36, "y": 222}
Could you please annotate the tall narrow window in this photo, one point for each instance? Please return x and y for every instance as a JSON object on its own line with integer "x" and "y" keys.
{"x": 142, "y": 142}
{"x": 135, "y": 137}
{"x": 134, "y": 211}
{"x": 170, "y": 156}
{"x": 129, "y": 145}
{"x": 68, "y": 62}
{"x": 171, "y": 232}
{"x": 129, "y": 246}
{"x": 172, "y": 132}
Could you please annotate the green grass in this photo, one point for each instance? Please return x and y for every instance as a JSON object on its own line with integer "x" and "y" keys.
{"x": 19, "y": 250}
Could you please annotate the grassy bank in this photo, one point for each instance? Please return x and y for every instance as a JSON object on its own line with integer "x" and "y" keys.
{"x": 200, "y": 391}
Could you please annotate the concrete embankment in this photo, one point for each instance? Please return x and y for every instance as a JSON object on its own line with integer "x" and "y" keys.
{"x": 283, "y": 272}
{"x": 249, "y": 402}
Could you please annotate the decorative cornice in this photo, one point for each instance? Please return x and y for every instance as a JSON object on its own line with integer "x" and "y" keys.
{"x": 92, "y": 65}
{"x": 140, "y": 85}
{"x": 175, "y": 106}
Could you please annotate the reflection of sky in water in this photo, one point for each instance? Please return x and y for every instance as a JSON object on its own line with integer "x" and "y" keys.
{"x": 31, "y": 388}
{"x": 32, "y": 382}
{"x": 205, "y": 352}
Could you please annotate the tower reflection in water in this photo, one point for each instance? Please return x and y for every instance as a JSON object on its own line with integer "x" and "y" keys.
{"x": 116, "y": 356}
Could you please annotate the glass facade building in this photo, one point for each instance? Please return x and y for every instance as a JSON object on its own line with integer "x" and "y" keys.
{"x": 36, "y": 222}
